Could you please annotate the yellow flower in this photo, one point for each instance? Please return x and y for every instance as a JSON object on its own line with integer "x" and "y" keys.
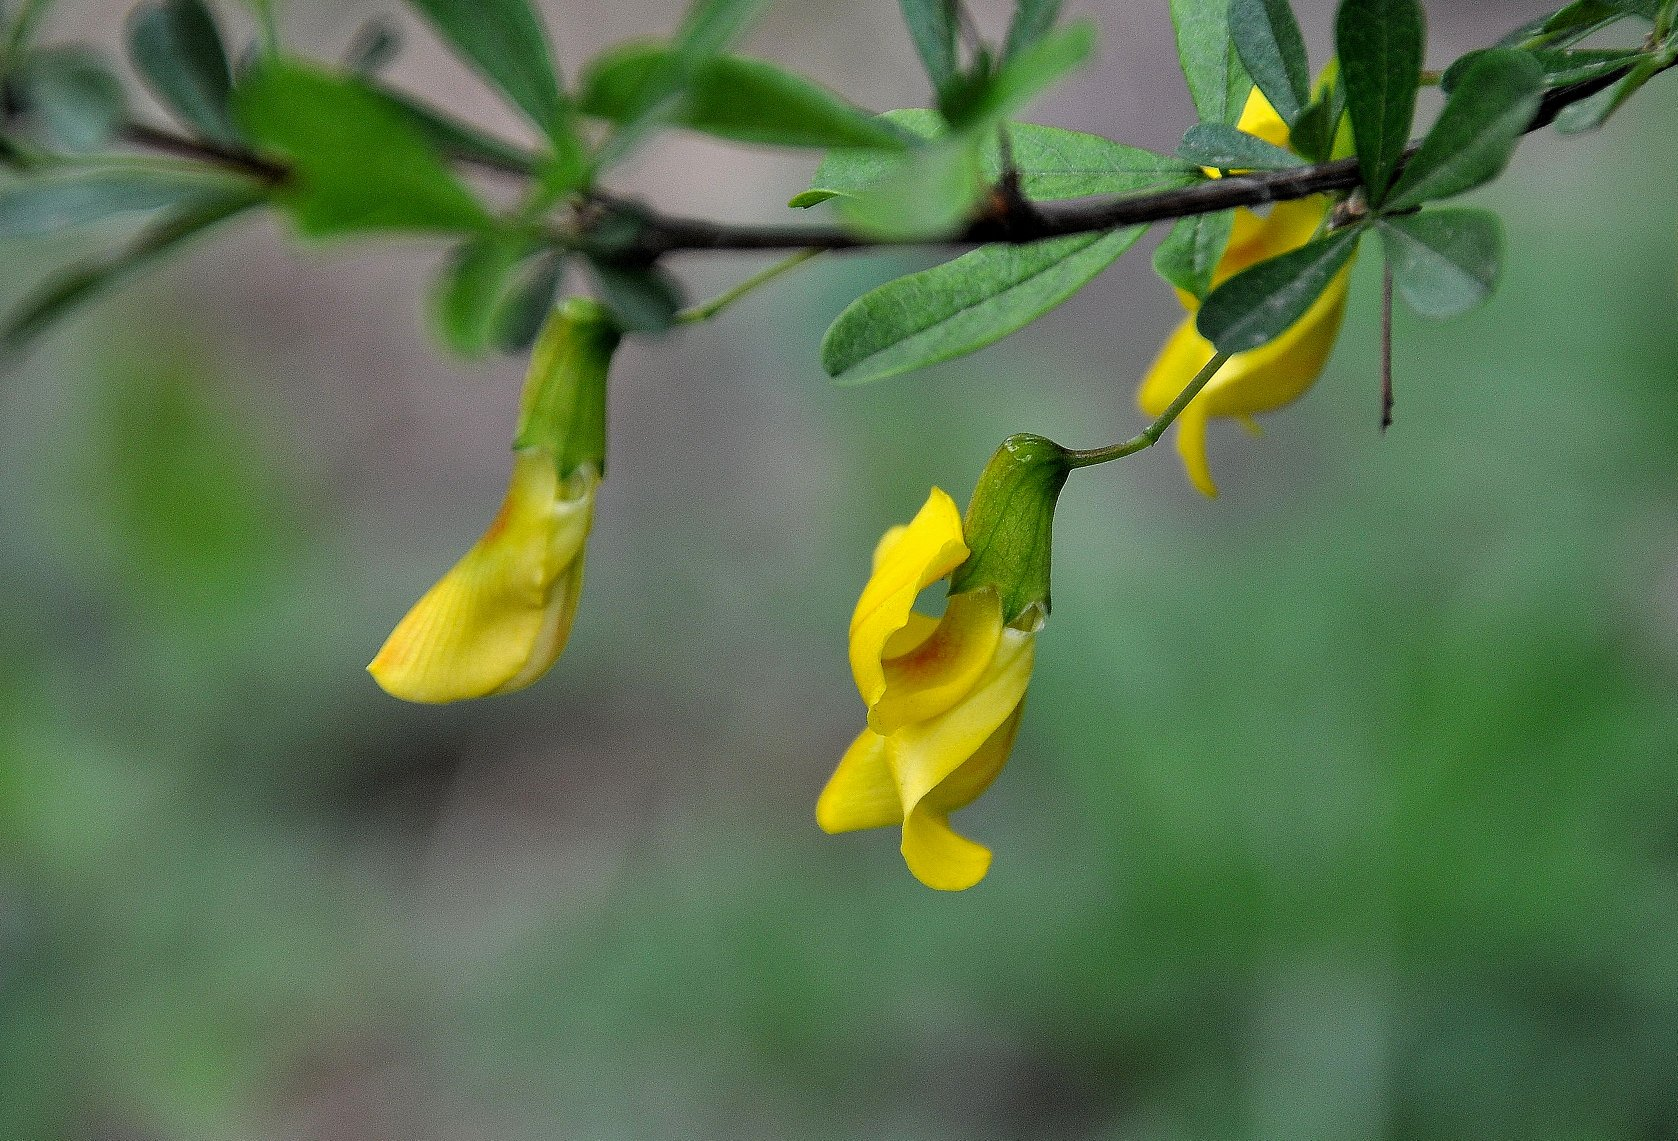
{"x": 500, "y": 618}
{"x": 1272, "y": 375}
{"x": 944, "y": 700}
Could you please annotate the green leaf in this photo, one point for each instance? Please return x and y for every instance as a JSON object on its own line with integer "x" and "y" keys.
{"x": 357, "y": 162}
{"x": 178, "y": 51}
{"x": 74, "y": 97}
{"x": 46, "y": 203}
{"x": 1476, "y": 133}
{"x": 1272, "y": 49}
{"x": 1217, "y": 81}
{"x": 1189, "y": 255}
{"x": 1559, "y": 68}
{"x": 1444, "y": 262}
{"x": 375, "y": 45}
{"x": 466, "y": 305}
{"x": 713, "y": 26}
{"x": 1589, "y": 114}
{"x": 1223, "y": 147}
{"x": 1026, "y": 76}
{"x": 507, "y": 43}
{"x": 1568, "y": 25}
{"x": 1259, "y": 304}
{"x": 1032, "y": 21}
{"x": 643, "y": 299}
{"x": 929, "y": 194}
{"x": 963, "y": 305}
{"x": 526, "y": 304}
{"x": 731, "y": 97}
{"x": 932, "y": 28}
{"x": 1318, "y": 125}
{"x": 450, "y": 136}
{"x": 1053, "y": 163}
{"x": 58, "y": 297}
{"x": 1380, "y": 45}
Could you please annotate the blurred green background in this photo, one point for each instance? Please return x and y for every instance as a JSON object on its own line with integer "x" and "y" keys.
{"x": 1346, "y": 805}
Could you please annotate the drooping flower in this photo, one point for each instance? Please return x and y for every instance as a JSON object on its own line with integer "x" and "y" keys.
{"x": 499, "y": 619}
{"x": 1272, "y": 375}
{"x": 945, "y": 694}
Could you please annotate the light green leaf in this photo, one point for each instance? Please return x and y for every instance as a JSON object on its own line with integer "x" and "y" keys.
{"x": 1217, "y": 81}
{"x": 1444, "y": 262}
{"x": 1476, "y": 133}
{"x": 731, "y": 97}
{"x": 1189, "y": 255}
{"x": 357, "y": 162}
{"x": 929, "y": 194}
{"x": 1027, "y": 75}
{"x": 1589, "y": 114}
{"x": 1259, "y": 304}
{"x": 1271, "y": 48}
{"x": 1380, "y": 47}
{"x": 466, "y": 304}
{"x": 1225, "y": 148}
{"x": 178, "y": 51}
{"x": 963, "y": 305}
{"x": 713, "y": 26}
{"x": 59, "y": 296}
{"x": 74, "y": 97}
{"x": 507, "y": 43}
{"x": 45, "y": 203}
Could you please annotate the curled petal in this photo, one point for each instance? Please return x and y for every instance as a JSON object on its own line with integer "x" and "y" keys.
{"x": 907, "y": 561}
{"x": 925, "y": 680}
{"x": 498, "y": 620}
{"x": 925, "y": 754}
{"x": 937, "y": 854}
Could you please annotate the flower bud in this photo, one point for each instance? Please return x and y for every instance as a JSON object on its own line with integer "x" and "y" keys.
{"x": 1009, "y": 526}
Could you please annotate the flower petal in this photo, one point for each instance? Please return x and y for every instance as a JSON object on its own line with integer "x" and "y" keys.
{"x": 861, "y": 793}
{"x": 925, "y": 681}
{"x": 925, "y": 753}
{"x": 929, "y": 548}
{"x": 939, "y": 856}
{"x": 1259, "y": 118}
{"x": 1191, "y": 446}
{"x": 499, "y": 619}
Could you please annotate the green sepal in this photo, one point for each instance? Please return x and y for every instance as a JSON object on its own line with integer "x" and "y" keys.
{"x": 1009, "y": 526}
{"x": 563, "y": 407}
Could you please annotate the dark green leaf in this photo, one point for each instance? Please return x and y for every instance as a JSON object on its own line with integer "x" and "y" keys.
{"x": 466, "y": 306}
{"x": 1271, "y": 48}
{"x": 1315, "y": 130}
{"x": 1444, "y": 262}
{"x": 508, "y": 44}
{"x": 42, "y": 204}
{"x": 1217, "y": 81}
{"x": 75, "y": 99}
{"x": 932, "y": 28}
{"x": 642, "y": 299}
{"x": 1566, "y": 26}
{"x": 963, "y": 305}
{"x": 1223, "y": 147}
{"x": 1259, "y": 304}
{"x": 1647, "y": 9}
{"x": 526, "y": 304}
{"x": 731, "y": 97}
{"x": 1189, "y": 255}
{"x": 929, "y": 194}
{"x": 358, "y": 163}
{"x": 1476, "y": 133}
{"x": 178, "y": 51}
{"x": 375, "y": 45}
{"x": 1589, "y": 114}
{"x": 450, "y": 136}
{"x": 1380, "y": 45}
{"x": 1032, "y": 21}
{"x": 1053, "y": 163}
{"x": 59, "y": 296}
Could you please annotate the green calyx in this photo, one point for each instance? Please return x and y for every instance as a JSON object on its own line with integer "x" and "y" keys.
{"x": 564, "y": 404}
{"x": 1009, "y": 526}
